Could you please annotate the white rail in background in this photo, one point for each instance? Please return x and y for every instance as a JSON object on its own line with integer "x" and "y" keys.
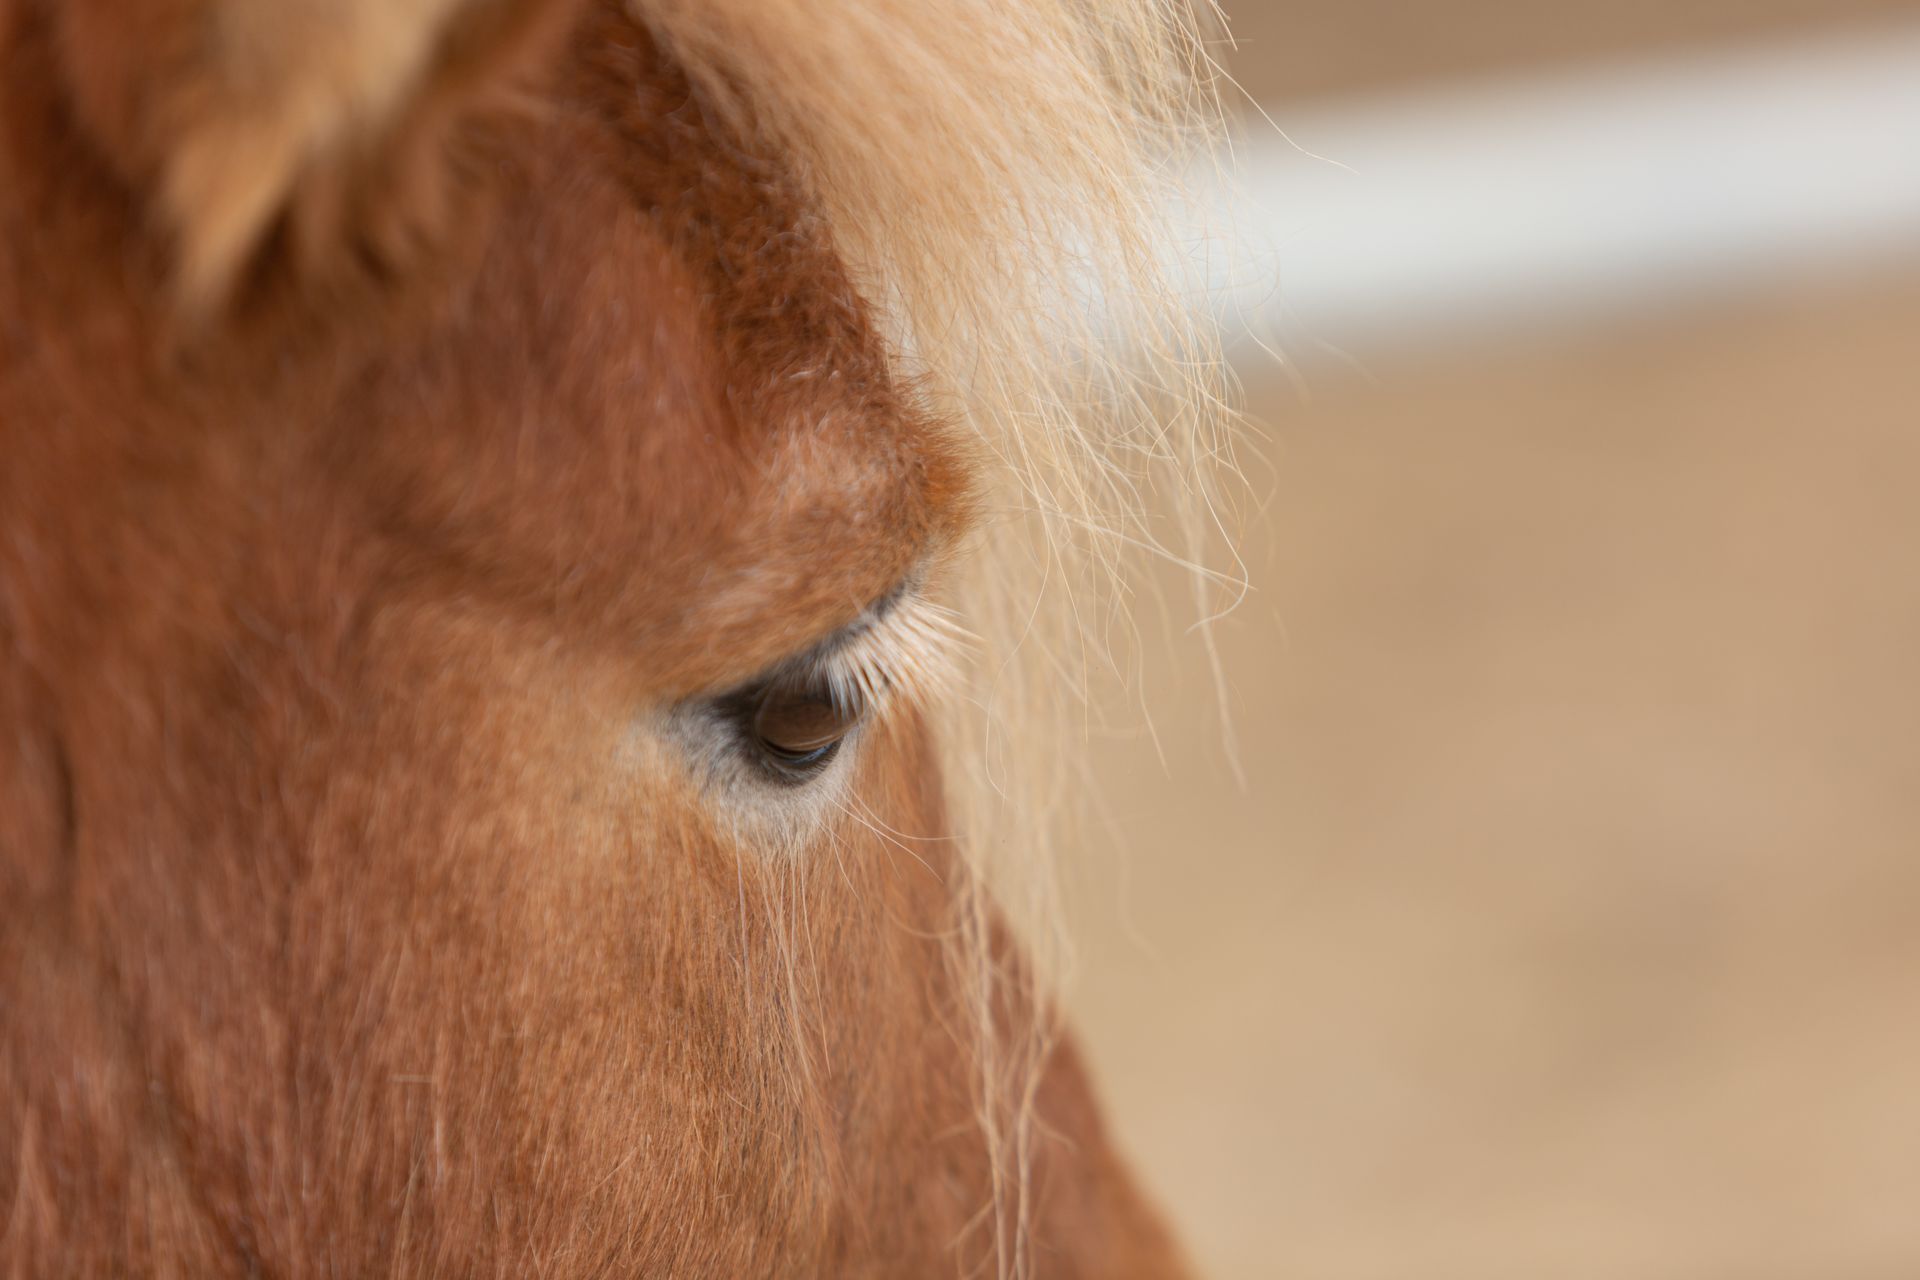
{"x": 1503, "y": 204}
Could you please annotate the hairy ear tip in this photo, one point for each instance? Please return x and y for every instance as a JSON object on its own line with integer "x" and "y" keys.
{"x": 221, "y": 190}
{"x": 328, "y": 118}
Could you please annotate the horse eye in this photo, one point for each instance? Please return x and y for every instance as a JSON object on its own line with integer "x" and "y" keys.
{"x": 797, "y": 726}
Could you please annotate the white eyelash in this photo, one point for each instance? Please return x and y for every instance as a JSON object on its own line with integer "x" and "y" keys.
{"x": 907, "y": 654}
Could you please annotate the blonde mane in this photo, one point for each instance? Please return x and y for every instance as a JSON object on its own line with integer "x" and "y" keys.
{"x": 1003, "y": 177}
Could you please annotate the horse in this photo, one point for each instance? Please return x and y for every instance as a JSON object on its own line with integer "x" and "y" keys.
{"x": 528, "y": 531}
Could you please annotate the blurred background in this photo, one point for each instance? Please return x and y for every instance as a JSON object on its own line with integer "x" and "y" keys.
{"x": 1568, "y": 920}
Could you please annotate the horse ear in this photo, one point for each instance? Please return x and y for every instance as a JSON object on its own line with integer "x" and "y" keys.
{"x": 329, "y": 119}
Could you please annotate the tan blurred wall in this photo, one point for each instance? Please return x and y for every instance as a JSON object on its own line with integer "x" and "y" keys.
{"x": 1569, "y": 922}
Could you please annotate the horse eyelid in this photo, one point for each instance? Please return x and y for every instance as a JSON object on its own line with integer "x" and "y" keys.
{"x": 901, "y": 649}
{"x": 904, "y": 648}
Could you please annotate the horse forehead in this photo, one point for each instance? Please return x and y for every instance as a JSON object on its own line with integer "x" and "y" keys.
{"x": 656, "y": 410}
{"x": 662, "y": 403}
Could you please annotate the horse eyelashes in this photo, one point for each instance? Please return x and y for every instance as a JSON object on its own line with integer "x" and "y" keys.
{"x": 793, "y": 723}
